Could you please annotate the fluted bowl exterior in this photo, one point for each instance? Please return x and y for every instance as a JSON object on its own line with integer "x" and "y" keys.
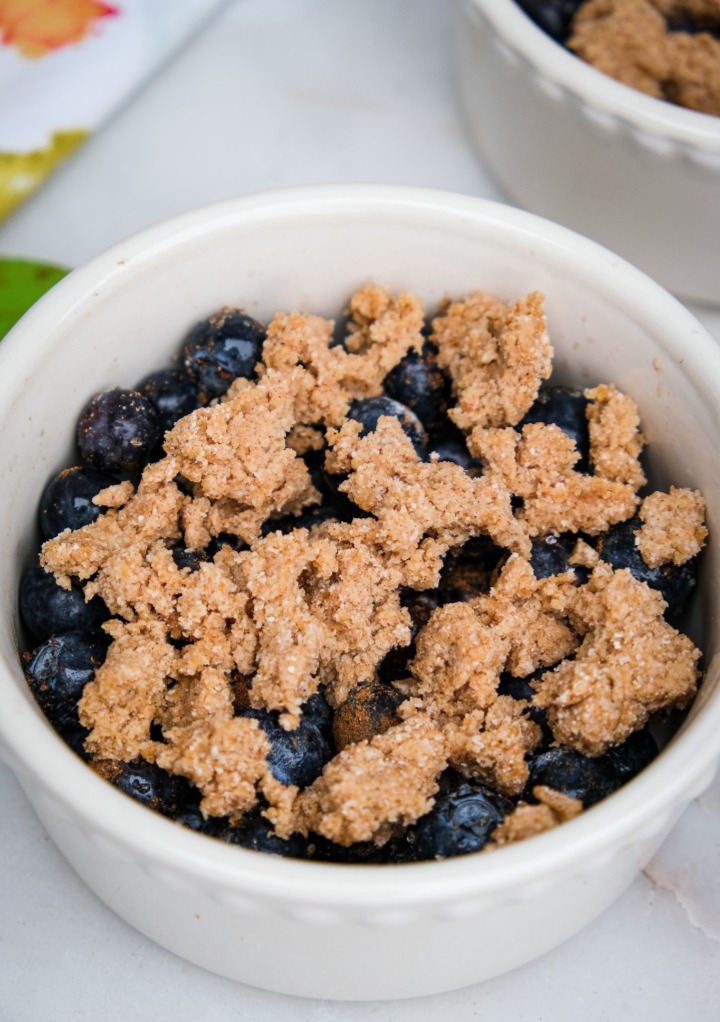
{"x": 567, "y": 142}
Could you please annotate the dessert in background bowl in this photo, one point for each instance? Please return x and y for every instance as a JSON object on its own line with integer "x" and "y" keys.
{"x": 326, "y": 929}
{"x": 636, "y": 172}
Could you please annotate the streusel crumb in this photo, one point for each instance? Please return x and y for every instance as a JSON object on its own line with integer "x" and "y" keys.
{"x": 538, "y": 465}
{"x": 635, "y": 42}
{"x": 497, "y": 356}
{"x": 372, "y": 786}
{"x": 528, "y": 819}
{"x": 630, "y": 663}
{"x": 673, "y": 528}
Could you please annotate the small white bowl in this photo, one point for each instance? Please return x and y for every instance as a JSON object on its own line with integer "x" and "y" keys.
{"x": 564, "y": 140}
{"x": 331, "y": 931}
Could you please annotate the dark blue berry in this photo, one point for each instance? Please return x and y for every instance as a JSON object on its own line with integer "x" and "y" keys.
{"x": 572, "y": 774}
{"x": 189, "y": 560}
{"x": 420, "y": 606}
{"x": 449, "y": 444}
{"x": 369, "y": 410}
{"x": 674, "y": 582}
{"x": 257, "y": 833}
{"x": 319, "y": 849}
{"x": 307, "y": 519}
{"x": 48, "y": 609}
{"x": 224, "y": 539}
{"x": 173, "y": 394}
{"x": 469, "y": 570}
{"x": 318, "y": 710}
{"x": 295, "y": 757}
{"x": 149, "y": 784}
{"x": 118, "y": 431}
{"x": 565, "y": 408}
{"x": 67, "y": 500}
{"x": 552, "y": 16}
{"x": 370, "y": 709}
{"x": 462, "y": 820}
{"x": 551, "y": 556}
{"x": 522, "y": 690}
{"x": 633, "y": 755}
{"x": 418, "y": 382}
{"x": 691, "y": 26}
{"x": 221, "y": 349}
{"x": 59, "y": 670}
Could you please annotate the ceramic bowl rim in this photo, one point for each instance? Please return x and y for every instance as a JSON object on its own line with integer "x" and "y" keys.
{"x": 74, "y": 789}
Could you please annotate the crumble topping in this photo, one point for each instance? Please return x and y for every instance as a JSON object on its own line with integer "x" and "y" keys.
{"x": 264, "y": 627}
{"x": 673, "y": 528}
{"x": 528, "y": 819}
{"x": 538, "y": 465}
{"x": 630, "y": 663}
{"x": 497, "y": 356}
{"x": 372, "y": 786}
{"x": 634, "y": 42}
{"x": 382, "y": 330}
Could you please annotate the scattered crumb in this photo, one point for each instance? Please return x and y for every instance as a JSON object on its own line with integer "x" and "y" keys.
{"x": 371, "y": 786}
{"x": 630, "y": 663}
{"x": 538, "y": 465}
{"x": 497, "y": 356}
{"x": 527, "y": 819}
{"x": 673, "y": 528}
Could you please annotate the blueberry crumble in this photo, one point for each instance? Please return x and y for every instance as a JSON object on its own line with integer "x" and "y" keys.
{"x": 383, "y": 597}
{"x": 669, "y": 49}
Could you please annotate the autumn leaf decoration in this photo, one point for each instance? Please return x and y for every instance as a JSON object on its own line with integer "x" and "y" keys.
{"x": 37, "y": 27}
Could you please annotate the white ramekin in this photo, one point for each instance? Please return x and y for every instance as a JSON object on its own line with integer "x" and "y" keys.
{"x": 564, "y": 140}
{"x": 354, "y": 932}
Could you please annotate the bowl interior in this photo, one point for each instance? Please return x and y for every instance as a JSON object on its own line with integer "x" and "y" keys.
{"x": 126, "y": 314}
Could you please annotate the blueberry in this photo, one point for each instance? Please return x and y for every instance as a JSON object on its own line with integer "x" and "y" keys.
{"x": 551, "y": 556}
{"x": 678, "y": 23}
{"x": 462, "y": 820}
{"x": 173, "y": 394}
{"x": 565, "y": 408}
{"x": 59, "y": 670}
{"x": 552, "y": 16}
{"x": 295, "y": 757}
{"x": 573, "y": 774}
{"x": 48, "y": 609}
{"x": 149, "y": 784}
{"x": 256, "y": 833}
{"x": 369, "y": 410}
{"x": 418, "y": 382}
{"x": 522, "y": 690}
{"x": 420, "y": 606}
{"x": 221, "y": 349}
{"x": 469, "y": 570}
{"x": 67, "y": 500}
{"x": 450, "y": 445}
{"x": 320, "y": 849}
{"x": 118, "y": 431}
{"x": 370, "y": 709}
{"x": 318, "y": 710}
{"x": 188, "y": 559}
{"x": 224, "y": 539}
{"x": 633, "y": 755}
{"x": 674, "y": 582}
{"x": 307, "y": 519}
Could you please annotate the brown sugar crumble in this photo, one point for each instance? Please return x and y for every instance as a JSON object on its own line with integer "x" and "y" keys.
{"x": 204, "y": 653}
{"x": 641, "y": 43}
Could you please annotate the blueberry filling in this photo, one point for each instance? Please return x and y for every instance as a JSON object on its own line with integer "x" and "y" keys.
{"x": 120, "y": 430}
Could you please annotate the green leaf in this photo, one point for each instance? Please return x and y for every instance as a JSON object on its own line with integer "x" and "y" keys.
{"x": 21, "y": 284}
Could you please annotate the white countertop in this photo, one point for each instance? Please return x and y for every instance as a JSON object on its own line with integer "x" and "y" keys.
{"x": 274, "y": 93}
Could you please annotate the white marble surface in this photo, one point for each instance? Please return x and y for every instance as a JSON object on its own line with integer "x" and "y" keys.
{"x": 272, "y": 93}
